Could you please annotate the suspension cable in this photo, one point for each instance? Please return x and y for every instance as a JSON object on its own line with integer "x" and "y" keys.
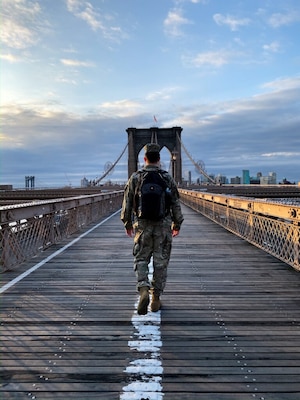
{"x": 112, "y": 167}
{"x": 197, "y": 166}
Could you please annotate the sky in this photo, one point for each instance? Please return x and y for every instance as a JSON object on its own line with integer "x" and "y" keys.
{"x": 76, "y": 74}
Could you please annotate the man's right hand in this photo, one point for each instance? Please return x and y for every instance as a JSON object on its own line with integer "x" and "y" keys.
{"x": 175, "y": 232}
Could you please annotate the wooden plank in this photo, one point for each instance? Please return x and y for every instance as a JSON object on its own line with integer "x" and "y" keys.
{"x": 230, "y": 323}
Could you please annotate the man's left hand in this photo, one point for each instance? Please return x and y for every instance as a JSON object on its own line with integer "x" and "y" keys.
{"x": 130, "y": 232}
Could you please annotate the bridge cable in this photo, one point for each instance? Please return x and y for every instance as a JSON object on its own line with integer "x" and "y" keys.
{"x": 112, "y": 166}
{"x": 197, "y": 166}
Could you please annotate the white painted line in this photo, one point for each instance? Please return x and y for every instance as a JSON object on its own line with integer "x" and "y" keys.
{"x": 56, "y": 253}
{"x": 145, "y": 373}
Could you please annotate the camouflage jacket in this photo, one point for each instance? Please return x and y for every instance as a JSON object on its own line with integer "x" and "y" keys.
{"x": 128, "y": 213}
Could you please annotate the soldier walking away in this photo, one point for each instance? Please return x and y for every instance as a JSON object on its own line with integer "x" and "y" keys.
{"x": 151, "y": 213}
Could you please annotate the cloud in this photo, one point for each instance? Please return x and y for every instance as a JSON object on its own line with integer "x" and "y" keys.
{"x": 17, "y": 36}
{"x": 257, "y": 133}
{"x": 283, "y": 84}
{"x": 67, "y": 81}
{"x": 209, "y": 58}
{"x": 10, "y": 142}
{"x": 163, "y": 94}
{"x": 260, "y": 133}
{"x": 39, "y": 127}
{"x": 277, "y": 20}
{"x": 76, "y": 63}
{"x": 174, "y": 21}
{"x": 21, "y": 24}
{"x": 85, "y": 11}
{"x": 273, "y": 47}
{"x": 282, "y": 154}
{"x": 120, "y": 109}
{"x": 59, "y": 147}
{"x": 10, "y": 58}
{"x": 232, "y": 22}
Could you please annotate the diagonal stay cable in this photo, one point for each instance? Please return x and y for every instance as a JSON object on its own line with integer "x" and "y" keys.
{"x": 112, "y": 167}
{"x": 201, "y": 170}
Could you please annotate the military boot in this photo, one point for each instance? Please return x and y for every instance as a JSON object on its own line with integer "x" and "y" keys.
{"x": 155, "y": 303}
{"x": 142, "y": 308}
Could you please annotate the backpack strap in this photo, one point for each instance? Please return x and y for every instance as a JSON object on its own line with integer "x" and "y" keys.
{"x": 140, "y": 174}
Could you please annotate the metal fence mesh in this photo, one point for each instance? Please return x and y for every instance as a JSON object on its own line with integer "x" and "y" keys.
{"x": 279, "y": 237}
{"x": 23, "y": 238}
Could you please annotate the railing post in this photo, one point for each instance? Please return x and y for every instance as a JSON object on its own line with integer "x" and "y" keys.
{"x": 296, "y": 242}
{"x": 51, "y": 218}
{"x": 250, "y": 223}
{"x": 227, "y": 214}
{"x": 5, "y": 247}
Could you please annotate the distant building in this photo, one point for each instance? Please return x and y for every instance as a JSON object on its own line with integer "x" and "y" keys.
{"x": 84, "y": 182}
{"x": 236, "y": 180}
{"x": 255, "y": 180}
{"x": 270, "y": 179}
{"x": 273, "y": 178}
{"x": 221, "y": 179}
{"x": 190, "y": 178}
{"x": 6, "y": 187}
{"x": 246, "y": 177}
{"x": 205, "y": 180}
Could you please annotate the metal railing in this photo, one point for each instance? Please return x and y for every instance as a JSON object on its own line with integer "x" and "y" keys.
{"x": 273, "y": 227}
{"x": 27, "y": 229}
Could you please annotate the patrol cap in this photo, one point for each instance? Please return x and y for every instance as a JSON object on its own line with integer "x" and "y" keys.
{"x": 152, "y": 148}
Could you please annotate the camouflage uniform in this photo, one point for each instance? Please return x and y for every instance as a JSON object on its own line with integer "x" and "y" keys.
{"x": 152, "y": 238}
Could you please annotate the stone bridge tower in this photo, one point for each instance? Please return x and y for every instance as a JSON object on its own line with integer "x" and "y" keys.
{"x": 165, "y": 137}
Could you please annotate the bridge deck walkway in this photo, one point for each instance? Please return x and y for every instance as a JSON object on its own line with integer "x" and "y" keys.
{"x": 229, "y": 328}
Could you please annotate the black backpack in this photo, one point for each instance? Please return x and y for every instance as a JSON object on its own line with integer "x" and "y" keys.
{"x": 152, "y": 197}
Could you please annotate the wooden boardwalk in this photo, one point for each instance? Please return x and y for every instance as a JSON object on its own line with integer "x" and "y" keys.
{"x": 229, "y": 328}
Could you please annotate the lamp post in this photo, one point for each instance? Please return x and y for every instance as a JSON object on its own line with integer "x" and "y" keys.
{"x": 174, "y": 158}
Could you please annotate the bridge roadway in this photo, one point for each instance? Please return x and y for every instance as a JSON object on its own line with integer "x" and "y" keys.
{"x": 229, "y": 328}
{"x": 8, "y": 197}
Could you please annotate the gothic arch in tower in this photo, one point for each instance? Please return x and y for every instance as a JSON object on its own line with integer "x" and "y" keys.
{"x": 165, "y": 137}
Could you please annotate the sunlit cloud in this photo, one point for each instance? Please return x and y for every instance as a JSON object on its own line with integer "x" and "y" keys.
{"x": 10, "y": 58}
{"x": 9, "y": 142}
{"x": 16, "y": 36}
{"x": 121, "y": 108}
{"x": 76, "y": 63}
{"x": 21, "y": 24}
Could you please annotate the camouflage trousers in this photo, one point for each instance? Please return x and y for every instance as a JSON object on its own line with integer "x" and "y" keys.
{"x": 152, "y": 239}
